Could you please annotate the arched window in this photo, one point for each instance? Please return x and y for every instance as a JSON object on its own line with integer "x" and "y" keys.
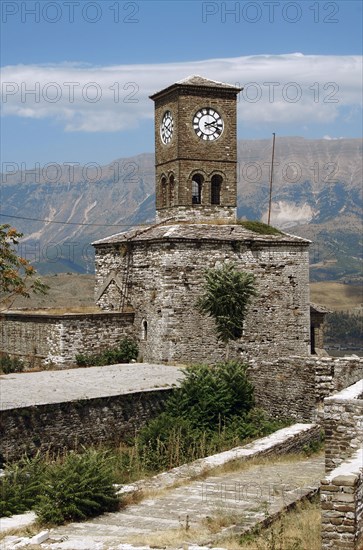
{"x": 163, "y": 191}
{"x": 197, "y": 182}
{"x": 216, "y": 184}
{"x": 144, "y": 330}
{"x": 171, "y": 190}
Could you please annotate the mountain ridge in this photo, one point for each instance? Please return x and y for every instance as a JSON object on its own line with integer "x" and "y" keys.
{"x": 317, "y": 193}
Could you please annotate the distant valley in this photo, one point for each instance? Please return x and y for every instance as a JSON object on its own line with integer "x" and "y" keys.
{"x": 317, "y": 194}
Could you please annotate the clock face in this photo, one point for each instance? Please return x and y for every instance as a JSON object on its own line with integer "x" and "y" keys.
{"x": 208, "y": 124}
{"x": 166, "y": 127}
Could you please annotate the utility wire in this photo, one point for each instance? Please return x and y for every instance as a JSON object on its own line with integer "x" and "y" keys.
{"x": 77, "y": 223}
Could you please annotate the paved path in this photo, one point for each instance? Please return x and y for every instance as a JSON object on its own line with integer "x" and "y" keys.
{"x": 37, "y": 388}
{"x": 242, "y": 497}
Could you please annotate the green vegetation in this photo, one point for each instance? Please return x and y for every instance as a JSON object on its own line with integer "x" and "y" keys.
{"x": 79, "y": 487}
{"x": 226, "y": 294}
{"x": 213, "y": 410}
{"x": 71, "y": 488}
{"x": 344, "y": 329}
{"x": 16, "y": 273}
{"x": 259, "y": 227}
{"x": 20, "y": 486}
{"x": 126, "y": 351}
{"x": 10, "y": 364}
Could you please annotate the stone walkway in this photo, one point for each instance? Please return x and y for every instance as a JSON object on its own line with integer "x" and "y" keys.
{"x": 39, "y": 388}
{"x": 182, "y": 515}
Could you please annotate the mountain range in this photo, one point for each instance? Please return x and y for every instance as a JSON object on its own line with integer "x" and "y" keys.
{"x": 316, "y": 193}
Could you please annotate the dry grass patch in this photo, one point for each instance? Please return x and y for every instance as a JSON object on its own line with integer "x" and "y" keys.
{"x": 299, "y": 529}
{"x": 336, "y": 296}
{"x": 296, "y": 530}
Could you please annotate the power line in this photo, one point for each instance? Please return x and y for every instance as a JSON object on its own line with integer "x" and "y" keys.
{"x": 77, "y": 223}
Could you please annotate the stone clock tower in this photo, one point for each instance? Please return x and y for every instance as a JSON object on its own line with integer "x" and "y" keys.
{"x": 196, "y": 150}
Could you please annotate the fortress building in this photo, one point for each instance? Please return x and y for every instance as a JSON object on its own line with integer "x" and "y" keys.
{"x": 157, "y": 272}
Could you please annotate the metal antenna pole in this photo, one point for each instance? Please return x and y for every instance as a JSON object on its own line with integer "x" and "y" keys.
{"x": 271, "y": 175}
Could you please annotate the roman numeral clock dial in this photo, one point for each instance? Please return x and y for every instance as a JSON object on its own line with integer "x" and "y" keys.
{"x": 166, "y": 127}
{"x": 208, "y": 124}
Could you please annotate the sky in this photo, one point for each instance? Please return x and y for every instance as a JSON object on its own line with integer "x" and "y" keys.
{"x": 77, "y": 74}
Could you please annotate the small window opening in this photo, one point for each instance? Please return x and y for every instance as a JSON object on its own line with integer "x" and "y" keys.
{"x": 197, "y": 182}
{"x": 163, "y": 192}
{"x": 216, "y": 184}
{"x": 144, "y": 330}
{"x": 171, "y": 190}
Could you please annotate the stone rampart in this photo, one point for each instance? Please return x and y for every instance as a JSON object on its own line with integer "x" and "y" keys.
{"x": 343, "y": 424}
{"x": 58, "y": 338}
{"x": 70, "y": 424}
{"x": 342, "y": 488}
{"x": 296, "y": 386}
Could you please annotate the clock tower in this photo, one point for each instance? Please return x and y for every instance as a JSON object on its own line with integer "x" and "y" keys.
{"x": 196, "y": 150}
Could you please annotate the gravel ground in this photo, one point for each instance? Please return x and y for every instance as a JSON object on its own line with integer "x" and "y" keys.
{"x": 38, "y": 388}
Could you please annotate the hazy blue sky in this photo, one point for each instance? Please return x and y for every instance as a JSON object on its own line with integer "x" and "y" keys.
{"x": 76, "y": 75}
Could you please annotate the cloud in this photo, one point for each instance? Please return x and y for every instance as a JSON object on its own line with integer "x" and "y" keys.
{"x": 290, "y": 89}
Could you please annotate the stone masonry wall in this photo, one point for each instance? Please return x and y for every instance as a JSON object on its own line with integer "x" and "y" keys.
{"x": 341, "y": 495}
{"x": 342, "y": 489}
{"x": 59, "y": 426}
{"x": 295, "y": 387}
{"x": 165, "y": 280}
{"x": 58, "y": 338}
{"x": 343, "y": 423}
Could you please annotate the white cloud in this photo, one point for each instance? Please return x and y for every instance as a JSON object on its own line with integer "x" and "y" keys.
{"x": 291, "y": 88}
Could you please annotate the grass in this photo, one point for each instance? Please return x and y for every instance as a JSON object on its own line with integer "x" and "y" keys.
{"x": 298, "y": 529}
{"x": 336, "y": 296}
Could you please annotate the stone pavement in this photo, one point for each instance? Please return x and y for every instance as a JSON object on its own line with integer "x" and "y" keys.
{"x": 183, "y": 514}
{"x": 37, "y": 388}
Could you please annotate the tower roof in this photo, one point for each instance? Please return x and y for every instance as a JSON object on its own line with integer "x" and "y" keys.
{"x": 196, "y": 81}
{"x": 200, "y": 232}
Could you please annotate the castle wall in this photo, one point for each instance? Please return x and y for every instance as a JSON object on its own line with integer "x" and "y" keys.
{"x": 68, "y": 425}
{"x": 165, "y": 280}
{"x": 295, "y": 387}
{"x": 59, "y": 338}
{"x": 343, "y": 423}
{"x": 341, "y": 490}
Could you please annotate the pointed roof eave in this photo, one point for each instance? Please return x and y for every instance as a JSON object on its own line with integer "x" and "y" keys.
{"x": 196, "y": 81}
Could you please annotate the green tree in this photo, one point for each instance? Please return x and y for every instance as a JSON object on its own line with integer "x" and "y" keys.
{"x": 226, "y": 295}
{"x": 17, "y": 276}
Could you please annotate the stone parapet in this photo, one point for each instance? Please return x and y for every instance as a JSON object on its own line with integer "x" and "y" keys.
{"x": 44, "y": 337}
{"x": 341, "y": 494}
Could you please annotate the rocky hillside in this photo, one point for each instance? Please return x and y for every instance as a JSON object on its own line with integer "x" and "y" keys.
{"x": 317, "y": 193}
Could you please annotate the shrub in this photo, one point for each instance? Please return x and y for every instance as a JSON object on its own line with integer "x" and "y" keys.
{"x": 10, "y": 364}
{"x": 210, "y": 395}
{"x": 20, "y": 486}
{"x": 126, "y": 351}
{"x": 79, "y": 487}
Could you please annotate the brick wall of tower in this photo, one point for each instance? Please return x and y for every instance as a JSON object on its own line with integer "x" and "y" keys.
{"x": 187, "y": 154}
